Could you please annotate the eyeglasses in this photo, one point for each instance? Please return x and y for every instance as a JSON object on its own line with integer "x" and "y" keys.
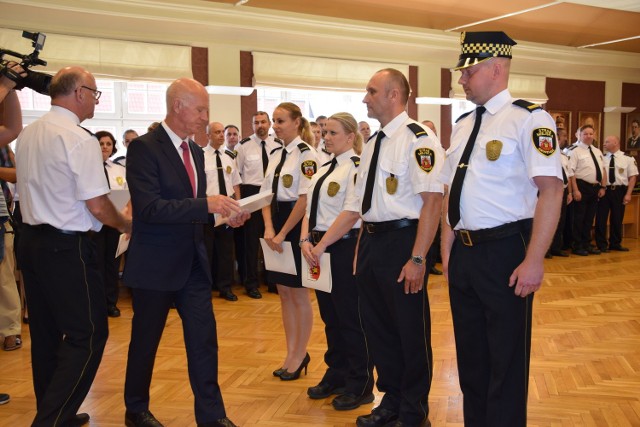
{"x": 96, "y": 92}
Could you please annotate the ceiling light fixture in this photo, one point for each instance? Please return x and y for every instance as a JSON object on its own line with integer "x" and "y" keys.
{"x": 508, "y": 15}
{"x": 618, "y": 109}
{"x": 609, "y": 42}
{"x": 229, "y": 90}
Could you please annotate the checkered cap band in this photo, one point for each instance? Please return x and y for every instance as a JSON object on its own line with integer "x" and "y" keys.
{"x": 485, "y": 49}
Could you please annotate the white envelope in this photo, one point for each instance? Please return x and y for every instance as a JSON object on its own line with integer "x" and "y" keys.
{"x": 250, "y": 204}
{"x": 283, "y": 262}
{"x": 320, "y": 279}
{"x": 123, "y": 245}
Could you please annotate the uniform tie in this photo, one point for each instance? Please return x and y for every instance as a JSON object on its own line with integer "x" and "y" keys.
{"x": 313, "y": 213}
{"x": 565, "y": 180}
{"x": 221, "y": 184}
{"x": 186, "y": 158}
{"x": 104, "y": 166}
{"x": 265, "y": 158}
{"x": 595, "y": 162}
{"x": 461, "y": 171}
{"x": 371, "y": 176}
{"x": 276, "y": 178}
{"x": 612, "y": 170}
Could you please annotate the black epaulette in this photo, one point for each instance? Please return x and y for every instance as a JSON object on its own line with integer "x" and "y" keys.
{"x": 572, "y": 147}
{"x": 245, "y": 140}
{"x": 529, "y": 106}
{"x": 303, "y": 147}
{"x": 417, "y": 130}
{"x": 279, "y": 141}
{"x": 324, "y": 150}
{"x": 230, "y": 153}
{"x": 464, "y": 115}
{"x": 275, "y": 149}
{"x": 356, "y": 160}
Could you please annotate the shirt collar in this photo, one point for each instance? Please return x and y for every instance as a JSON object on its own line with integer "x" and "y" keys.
{"x": 496, "y": 103}
{"x": 66, "y": 113}
{"x": 293, "y": 144}
{"x": 344, "y": 156}
{"x": 175, "y": 139}
{"x": 395, "y": 124}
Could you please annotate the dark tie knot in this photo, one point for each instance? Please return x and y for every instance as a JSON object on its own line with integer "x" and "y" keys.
{"x": 480, "y": 110}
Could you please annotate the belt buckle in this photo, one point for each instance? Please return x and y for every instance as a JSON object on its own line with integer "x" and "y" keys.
{"x": 370, "y": 228}
{"x": 612, "y": 187}
{"x": 465, "y": 237}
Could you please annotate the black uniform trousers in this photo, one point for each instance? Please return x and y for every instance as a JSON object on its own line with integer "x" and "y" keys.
{"x": 150, "y": 310}
{"x": 347, "y": 357}
{"x": 107, "y": 243}
{"x": 611, "y": 203}
{"x": 252, "y": 231}
{"x": 557, "y": 244}
{"x": 397, "y": 325}
{"x": 67, "y": 319}
{"x": 219, "y": 241}
{"x": 584, "y": 212}
{"x": 492, "y": 328}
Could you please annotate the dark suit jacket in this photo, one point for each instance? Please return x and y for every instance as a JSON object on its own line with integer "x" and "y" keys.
{"x": 167, "y": 220}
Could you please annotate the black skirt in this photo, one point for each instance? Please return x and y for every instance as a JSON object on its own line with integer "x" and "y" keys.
{"x": 279, "y": 218}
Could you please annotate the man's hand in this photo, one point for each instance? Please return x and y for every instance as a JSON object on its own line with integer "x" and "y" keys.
{"x": 413, "y": 276}
{"x": 239, "y": 220}
{"x": 527, "y": 278}
{"x": 577, "y": 196}
{"x": 223, "y": 205}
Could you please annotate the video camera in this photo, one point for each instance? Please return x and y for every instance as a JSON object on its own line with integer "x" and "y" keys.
{"x": 34, "y": 80}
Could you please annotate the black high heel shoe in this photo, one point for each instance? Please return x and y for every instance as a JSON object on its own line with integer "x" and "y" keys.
{"x": 290, "y": 376}
{"x": 278, "y": 372}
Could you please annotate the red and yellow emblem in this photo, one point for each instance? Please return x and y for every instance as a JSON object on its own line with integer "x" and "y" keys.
{"x": 544, "y": 140}
{"x": 426, "y": 158}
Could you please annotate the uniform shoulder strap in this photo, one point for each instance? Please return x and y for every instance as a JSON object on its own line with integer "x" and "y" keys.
{"x": 245, "y": 140}
{"x": 355, "y": 160}
{"x": 279, "y": 141}
{"x": 529, "y": 106}
{"x": 303, "y": 147}
{"x": 230, "y": 153}
{"x": 417, "y": 130}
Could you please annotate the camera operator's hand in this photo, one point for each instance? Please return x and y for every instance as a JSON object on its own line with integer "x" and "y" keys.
{"x": 12, "y": 74}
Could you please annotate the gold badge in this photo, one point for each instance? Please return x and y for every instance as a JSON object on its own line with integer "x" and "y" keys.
{"x": 621, "y": 170}
{"x": 494, "y": 148}
{"x": 333, "y": 189}
{"x": 426, "y": 158}
{"x": 392, "y": 184}
{"x": 228, "y": 169}
{"x": 120, "y": 180}
{"x": 287, "y": 180}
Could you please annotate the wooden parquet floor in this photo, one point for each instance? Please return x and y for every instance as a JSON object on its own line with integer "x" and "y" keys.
{"x": 585, "y": 368}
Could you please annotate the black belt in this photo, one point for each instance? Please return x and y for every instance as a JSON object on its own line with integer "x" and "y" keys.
{"x": 588, "y": 183}
{"x": 289, "y": 205}
{"x": 316, "y": 236}
{"x": 381, "y": 227}
{"x": 472, "y": 237}
{"x": 613, "y": 187}
{"x": 50, "y": 228}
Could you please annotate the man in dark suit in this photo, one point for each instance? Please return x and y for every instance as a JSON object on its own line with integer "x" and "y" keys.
{"x": 167, "y": 261}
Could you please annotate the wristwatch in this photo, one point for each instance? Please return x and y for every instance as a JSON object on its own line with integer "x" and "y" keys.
{"x": 418, "y": 259}
{"x": 306, "y": 239}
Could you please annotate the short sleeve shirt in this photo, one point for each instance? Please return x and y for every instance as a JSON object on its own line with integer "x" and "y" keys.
{"x": 582, "y": 164}
{"x": 229, "y": 171}
{"x": 295, "y": 176}
{"x": 249, "y": 158}
{"x": 625, "y": 168}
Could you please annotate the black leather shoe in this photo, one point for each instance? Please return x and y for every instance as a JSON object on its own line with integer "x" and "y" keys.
{"x": 618, "y": 248}
{"x": 113, "y": 311}
{"x": 278, "y": 372}
{"x": 379, "y": 417}
{"x": 348, "y": 401}
{"x": 324, "y": 390}
{"x": 290, "y": 376}
{"x": 141, "y": 419}
{"x": 594, "y": 251}
{"x": 222, "y": 422}
{"x": 272, "y": 289}
{"x": 548, "y": 255}
{"x": 79, "y": 420}
{"x": 254, "y": 293}
{"x": 398, "y": 423}
{"x": 228, "y": 295}
{"x": 580, "y": 252}
{"x": 603, "y": 250}
{"x": 435, "y": 271}
{"x": 559, "y": 253}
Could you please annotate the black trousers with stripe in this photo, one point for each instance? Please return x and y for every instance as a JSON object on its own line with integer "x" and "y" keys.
{"x": 610, "y": 207}
{"x": 67, "y": 320}
{"x": 492, "y": 329}
{"x": 397, "y": 325}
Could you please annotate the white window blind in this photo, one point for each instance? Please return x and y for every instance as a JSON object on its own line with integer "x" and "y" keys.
{"x": 306, "y": 72}
{"x": 106, "y": 58}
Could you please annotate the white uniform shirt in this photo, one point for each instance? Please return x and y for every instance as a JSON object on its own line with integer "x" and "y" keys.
{"x": 625, "y": 168}
{"x": 331, "y": 201}
{"x": 117, "y": 175}
{"x": 564, "y": 161}
{"x": 298, "y": 169}
{"x": 323, "y": 155}
{"x": 415, "y": 163}
{"x": 59, "y": 167}
{"x": 582, "y": 164}
{"x": 249, "y": 158}
{"x": 500, "y": 191}
{"x": 229, "y": 170}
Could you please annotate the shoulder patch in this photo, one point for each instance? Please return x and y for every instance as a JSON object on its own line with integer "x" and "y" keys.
{"x": 303, "y": 147}
{"x": 309, "y": 168}
{"x": 529, "y": 106}
{"x": 230, "y": 153}
{"x": 276, "y": 149}
{"x": 279, "y": 141}
{"x": 356, "y": 160}
{"x": 464, "y": 115}
{"x": 242, "y": 141}
{"x": 417, "y": 130}
{"x": 544, "y": 141}
{"x": 426, "y": 158}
